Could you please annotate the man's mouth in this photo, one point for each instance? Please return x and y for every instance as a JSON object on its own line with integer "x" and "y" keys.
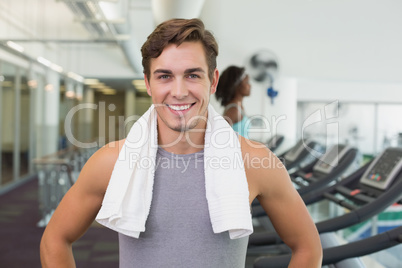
{"x": 180, "y": 107}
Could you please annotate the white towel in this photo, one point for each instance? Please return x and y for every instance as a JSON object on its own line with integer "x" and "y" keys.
{"x": 128, "y": 197}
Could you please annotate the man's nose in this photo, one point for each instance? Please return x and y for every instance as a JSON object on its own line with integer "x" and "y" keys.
{"x": 179, "y": 89}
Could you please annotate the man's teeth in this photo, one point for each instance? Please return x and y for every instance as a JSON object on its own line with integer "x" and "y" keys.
{"x": 179, "y": 107}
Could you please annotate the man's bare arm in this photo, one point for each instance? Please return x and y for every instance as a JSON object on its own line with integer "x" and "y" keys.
{"x": 78, "y": 208}
{"x": 270, "y": 183}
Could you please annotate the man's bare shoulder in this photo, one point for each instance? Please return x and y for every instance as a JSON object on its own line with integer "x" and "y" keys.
{"x": 112, "y": 147}
{"x": 107, "y": 154}
{"x": 98, "y": 169}
{"x": 253, "y": 149}
{"x": 262, "y": 167}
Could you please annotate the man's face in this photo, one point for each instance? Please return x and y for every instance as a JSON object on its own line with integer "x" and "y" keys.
{"x": 180, "y": 87}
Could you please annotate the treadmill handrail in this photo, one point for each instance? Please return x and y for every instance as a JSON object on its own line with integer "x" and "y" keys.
{"x": 346, "y": 220}
{"x": 361, "y": 214}
{"x": 321, "y": 182}
{"x": 319, "y": 194}
{"x": 350, "y": 250}
{"x": 257, "y": 239}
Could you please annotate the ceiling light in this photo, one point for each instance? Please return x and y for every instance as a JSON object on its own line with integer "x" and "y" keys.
{"x": 56, "y": 67}
{"x": 91, "y": 81}
{"x": 75, "y": 76}
{"x": 108, "y": 91}
{"x": 49, "y": 87}
{"x": 138, "y": 82}
{"x": 15, "y": 46}
{"x": 70, "y": 94}
{"x": 139, "y": 85}
{"x": 33, "y": 83}
{"x": 98, "y": 86}
{"x": 44, "y": 61}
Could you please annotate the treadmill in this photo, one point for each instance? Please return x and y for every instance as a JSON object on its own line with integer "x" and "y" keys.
{"x": 299, "y": 155}
{"x": 338, "y": 254}
{"x": 329, "y": 168}
{"x": 365, "y": 193}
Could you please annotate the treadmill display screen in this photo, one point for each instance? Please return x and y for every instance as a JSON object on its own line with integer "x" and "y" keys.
{"x": 332, "y": 155}
{"x": 384, "y": 169}
{"x": 331, "y": 158}
{"x": 295, "y": 151}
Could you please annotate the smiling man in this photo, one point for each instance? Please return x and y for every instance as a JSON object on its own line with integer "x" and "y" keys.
{"x": 180, "y": 87}
{"x": 193, "y": 208}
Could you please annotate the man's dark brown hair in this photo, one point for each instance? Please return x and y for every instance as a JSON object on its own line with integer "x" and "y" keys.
{"x": 177, "y": 31}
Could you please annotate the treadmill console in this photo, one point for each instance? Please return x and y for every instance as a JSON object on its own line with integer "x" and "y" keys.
{"x": 384, "y": 169}
{"x": 295, "y": 151}
{"x": 331, "y": 158}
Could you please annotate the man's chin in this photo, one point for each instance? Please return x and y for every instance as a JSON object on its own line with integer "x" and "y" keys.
{"x": 184, "y": 127}
{"x": 179, "y": 129}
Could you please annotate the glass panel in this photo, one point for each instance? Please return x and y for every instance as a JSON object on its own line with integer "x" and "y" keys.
{"x": 357, "y": 126}
{"x": 389, "y": 126}
{"x": 65, "y": 104}
{"x": 24, "y": 125}
{"x": 8, "y": 71}
{"x": 68, "y": 102}
{"x": 110, "y": 113}
{"x": 330, "y": 123}
{"x": 306, "y": 111}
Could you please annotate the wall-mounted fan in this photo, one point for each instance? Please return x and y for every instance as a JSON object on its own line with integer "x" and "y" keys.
{"x": 263, "y": 68}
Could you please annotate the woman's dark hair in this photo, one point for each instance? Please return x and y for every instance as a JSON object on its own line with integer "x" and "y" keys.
{"x": 177, "y": 31}
{"x": 228, "y": 82}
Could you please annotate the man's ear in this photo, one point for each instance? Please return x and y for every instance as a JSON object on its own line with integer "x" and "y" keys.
{"x": 147, "y": 85}
{"x": 215, "y": 80}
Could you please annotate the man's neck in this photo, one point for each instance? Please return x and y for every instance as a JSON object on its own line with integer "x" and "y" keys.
{"x": 185, "y": 142}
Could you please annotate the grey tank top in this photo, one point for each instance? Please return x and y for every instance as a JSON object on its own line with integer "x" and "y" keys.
{"x": 178, "y": 229}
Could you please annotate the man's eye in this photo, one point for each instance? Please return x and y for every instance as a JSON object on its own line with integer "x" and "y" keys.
{"x": 193, "y": 76}
{"x": 164, "y": 76}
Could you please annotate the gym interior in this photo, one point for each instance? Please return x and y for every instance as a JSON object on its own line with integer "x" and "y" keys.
{"x": 326, "y": 96}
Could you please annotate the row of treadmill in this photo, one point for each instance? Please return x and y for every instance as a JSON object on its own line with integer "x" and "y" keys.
{"x": 337, "y": 176}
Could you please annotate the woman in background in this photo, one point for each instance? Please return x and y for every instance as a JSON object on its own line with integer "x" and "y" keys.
{"x": 233, "y": 86}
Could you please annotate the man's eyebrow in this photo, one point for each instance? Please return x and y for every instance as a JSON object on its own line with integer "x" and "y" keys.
{"x": 187, "y": 71}
{"x": 162, "y": 71}
{"x": 193, "y": 70}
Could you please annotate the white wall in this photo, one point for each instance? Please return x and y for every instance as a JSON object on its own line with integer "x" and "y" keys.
{"x": 353, "y": 91}
{"x": 346, "y": 40}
